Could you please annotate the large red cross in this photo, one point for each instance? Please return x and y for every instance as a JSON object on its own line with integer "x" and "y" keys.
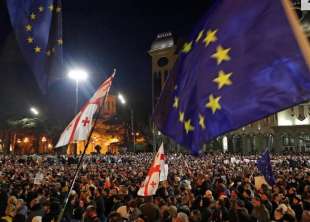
{"x": 85, "y": 121}
{"x": 152, "y": 170}
{"x": 153, "y": 184}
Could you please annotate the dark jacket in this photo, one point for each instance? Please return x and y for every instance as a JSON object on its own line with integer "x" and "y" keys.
{"x": 239, "y": 215}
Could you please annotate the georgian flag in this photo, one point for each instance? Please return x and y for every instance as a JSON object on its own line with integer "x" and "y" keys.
{"x": 155, "y": 174}
{"x": 79, "y": 128}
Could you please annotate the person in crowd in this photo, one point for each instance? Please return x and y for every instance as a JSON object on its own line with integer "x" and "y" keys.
{"x": 209, "y": 188}
{"x": 259, "y": 212}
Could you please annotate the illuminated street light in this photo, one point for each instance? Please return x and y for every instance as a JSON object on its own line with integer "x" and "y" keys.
{"x": 26, "y": 140}
{"x": 43, "y": 139}
{"x": 77, "y": 75}
{"x": 34, "y": 111}
{"x": 122, "y": 99}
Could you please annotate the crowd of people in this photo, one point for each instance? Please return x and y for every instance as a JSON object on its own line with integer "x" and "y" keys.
{"x": 208, "y": 188}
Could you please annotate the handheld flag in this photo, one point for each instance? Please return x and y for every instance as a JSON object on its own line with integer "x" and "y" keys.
{"x": 38, "y": 28}
{"x": 264, "y": 166}
{"x": 107, "y": 183}
{"x": 79, "y": 128}
{"x": 151, "y": 182}
{"x": 244, "y": 62}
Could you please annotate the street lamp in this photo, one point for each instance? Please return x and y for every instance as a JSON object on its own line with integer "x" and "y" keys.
{"x": 34, "y": 111}
{"x": 77, "y": 75}
{"x": 122, "y": 99}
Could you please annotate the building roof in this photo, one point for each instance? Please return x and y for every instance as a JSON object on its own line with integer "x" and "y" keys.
{"x": 162, "y": 41}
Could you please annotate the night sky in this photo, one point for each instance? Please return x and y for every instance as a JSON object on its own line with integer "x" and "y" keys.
{"x": 98, "y": 36}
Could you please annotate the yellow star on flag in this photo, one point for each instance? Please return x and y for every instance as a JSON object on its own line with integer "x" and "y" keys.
{"x": 188, "y": 127}
{"x": 181, "y": 117}
{"x": 58, "y": 9}
{"x": 221, "y": 54}
{"x": 41, "y": 8}
{"x": 202, "y": 122}
{"x": 30, "y": 40}
{"x": 175, "y": 87}
{"x": 223, "y": 79}
{"x": 37, "y": 49}
{"x": 200, "y": 34}
{"x": 33, "y": 16}
{"x": 60, "y": 41}
{"x": 28, "y": 28}
{"x": 176, "y": 102}
{"x": 210, "y": 37}
{"x": 213, "y": 103}
{"x": 187, "y": 47}
{"x": 51, "y": 7}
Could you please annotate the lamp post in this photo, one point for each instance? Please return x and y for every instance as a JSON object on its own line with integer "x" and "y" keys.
{"x": 77, "y": 75}
{"x": 34, "y": 111}
{"x": 122, "y": 100}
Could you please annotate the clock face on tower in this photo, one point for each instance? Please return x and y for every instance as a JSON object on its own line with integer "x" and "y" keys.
{"x": 162, "y": 61}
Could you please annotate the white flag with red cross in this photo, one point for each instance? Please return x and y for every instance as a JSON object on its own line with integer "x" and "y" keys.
{"x": 80, "y": 127}
{"x": 151, "y": 182}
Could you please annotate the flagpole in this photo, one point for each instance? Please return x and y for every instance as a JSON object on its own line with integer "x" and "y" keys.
{"x": 83, "y": 154}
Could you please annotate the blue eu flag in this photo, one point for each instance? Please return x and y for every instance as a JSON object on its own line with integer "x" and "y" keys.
{"x": 242, "y": 63}
{"x": 38, "y": 28}
{"x": 264, "y": 167}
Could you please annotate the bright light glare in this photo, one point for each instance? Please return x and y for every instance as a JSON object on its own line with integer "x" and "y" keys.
{"x": 34, "y": 111}
{"x": 78, "y": 74}
{"x": 121, "y": 99}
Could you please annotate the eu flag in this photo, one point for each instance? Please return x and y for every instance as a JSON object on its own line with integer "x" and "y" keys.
{"x": 264, "y": 167}
{"x": 243, "y": 62}
{"x": 38, "y": 28}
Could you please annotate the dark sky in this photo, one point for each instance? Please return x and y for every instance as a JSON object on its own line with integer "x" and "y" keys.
{"x": 98, "y": 36}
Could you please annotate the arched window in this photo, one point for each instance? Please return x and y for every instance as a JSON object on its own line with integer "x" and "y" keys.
{"x": 288, "y": 140}
{"x": 285, "y": 139}
{"x": 225, "y": 144}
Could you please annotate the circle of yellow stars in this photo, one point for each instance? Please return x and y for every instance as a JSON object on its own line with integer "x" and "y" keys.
{"x": 223, "y": 79}
{"x": 29, "y": 27}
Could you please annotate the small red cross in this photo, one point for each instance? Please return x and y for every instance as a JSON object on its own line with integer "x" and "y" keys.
{"x": 85, "y": 121}
{"x": 153, "y": 184}
{"x": 162, "y": 157}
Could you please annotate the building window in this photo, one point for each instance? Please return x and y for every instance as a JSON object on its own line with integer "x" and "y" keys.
{"x": 285, "y": 140}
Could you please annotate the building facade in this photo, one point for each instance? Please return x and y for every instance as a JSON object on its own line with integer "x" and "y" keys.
{"x": 288, "y": 130}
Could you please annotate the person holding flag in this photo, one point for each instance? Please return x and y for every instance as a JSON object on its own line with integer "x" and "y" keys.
{"x": 80, "y": 128}
{"x": 265, "y": 168}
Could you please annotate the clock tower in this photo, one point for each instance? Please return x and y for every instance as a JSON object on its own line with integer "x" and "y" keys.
{"x": 163, "y": 55}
